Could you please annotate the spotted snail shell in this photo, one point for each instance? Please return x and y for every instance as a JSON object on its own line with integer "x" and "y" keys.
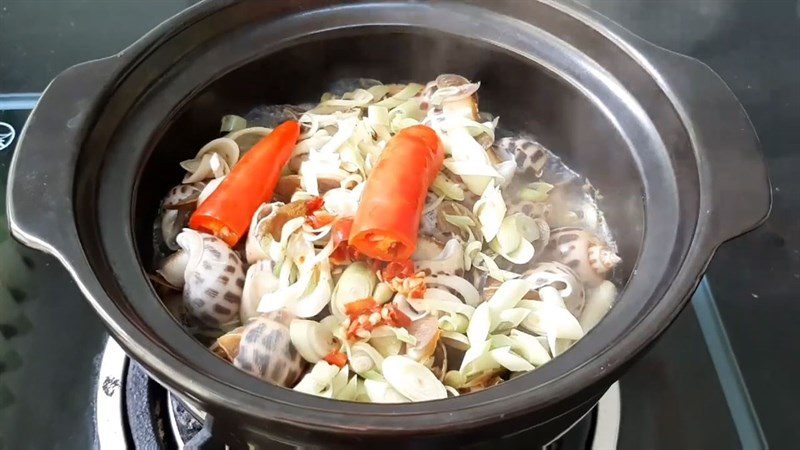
{"x": 530, "y": 209}
{"x": 176, "y": 208}
{"x": 582, "y": 251}
{"x": 266, "y": 351}
{"x": 213, "y": 279}
{"x": 183, "y": 196}
{"x": 529, "y": 155}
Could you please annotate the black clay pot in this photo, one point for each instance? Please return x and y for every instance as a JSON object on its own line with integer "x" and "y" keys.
{"x": 659, "y": 134}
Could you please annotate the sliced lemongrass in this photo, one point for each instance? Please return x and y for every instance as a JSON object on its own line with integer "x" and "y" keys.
{"x": 506, "y": 358}
{"x": 311, "y": 339}
{"x": 553, "y": 321}
{"x": 454, "y": 322}
{"x": 412, "y": 380}
{"x": 454, "y": 379}
{"x": 455, "y": 339}
{"x": 471, "y": 251}
{"x": 522, "y": 254}
{"x": 209, "y": 189}
{"x": 490, "y": 210}
{"x": 508, "y": 294}
{"x": 341, "y": 202}
{"x": 510, "y": 318}
{"x": 508, "y": 236}
{"x": 598, "y": 302}
{"x": 451, "y": 307}
{"x": 550, "y": 296}
{"x": 286, "y": 296}
{"x": 474, "y": 352}
{"x": 481, "y": 364}
{"x": 232, "y": 122}
{"x": 350, "y": 391}
{"x": 318, "y": 380}
{"x": 330, "y": 323}
{"x": 529, "y": 347}
{"x": 500, "y": 340}
{"x": 486, "y": 263}
{"x": 355, "y": 283}
{"x": 340, "y": 379}
{"x": 386, "y": 345}
{"x": 383, "y": 392}
{"x": 536, "y": 192}
{"x": 372, "y": 375}
{"x": 408, "y": 91}
{"x": 446, "y": 187}
{"x": 562, "y": 345}
{"x": 480, "y": 324}
{"x": 383, "y": 293}
{"x": 464, "y": 223}
{"x": 364, "y": 357}
{"x": 311, "y": 304}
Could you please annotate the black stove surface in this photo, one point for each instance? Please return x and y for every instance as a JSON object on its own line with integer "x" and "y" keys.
{"x": 710, "y": 382}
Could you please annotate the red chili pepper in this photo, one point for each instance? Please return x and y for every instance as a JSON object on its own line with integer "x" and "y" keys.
{"x": 343, "y": 255}
{"x": 341, "y": 230}
{"x": 398, "y": 318}
{"x": 228, "y": 210}
{"x": 398, "y": 269}
{"x": 418, "y": 292}
{"x": 314, "y": 205}
{"x": 359, "y": 307}
{"x": 343, "y": 252}
{"x": 320, "y": 218}
{"x": 351, "y": 330}
{"x": 315, "y": 216}
{"x": 387, "y": 219}
{"x": 336, "y": 358}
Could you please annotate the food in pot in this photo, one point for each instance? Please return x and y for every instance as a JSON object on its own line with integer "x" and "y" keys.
{"x": 389, "y": 244}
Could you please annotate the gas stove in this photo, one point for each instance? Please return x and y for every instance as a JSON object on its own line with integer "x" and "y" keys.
{"x": 99, "y": 398}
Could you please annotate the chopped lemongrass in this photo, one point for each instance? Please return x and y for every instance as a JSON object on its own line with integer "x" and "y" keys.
{"x": 536, "y": 192}
{"x": 311, "y": 339}
{"x": 412, "y": 380}
{"x": 231, "y": 123}
{"x": 463, "y": 287}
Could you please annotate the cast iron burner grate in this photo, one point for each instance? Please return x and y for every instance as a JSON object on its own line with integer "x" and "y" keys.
{"x": 134, "y": 411}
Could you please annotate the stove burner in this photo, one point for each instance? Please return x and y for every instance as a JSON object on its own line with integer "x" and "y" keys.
{"x": 134, "y": 411}
{"x": 185, "y": 424}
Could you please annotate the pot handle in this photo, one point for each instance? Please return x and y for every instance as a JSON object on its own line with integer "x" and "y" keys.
{"x": 41, "y": 177}
{"x": 732, "y": 167}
